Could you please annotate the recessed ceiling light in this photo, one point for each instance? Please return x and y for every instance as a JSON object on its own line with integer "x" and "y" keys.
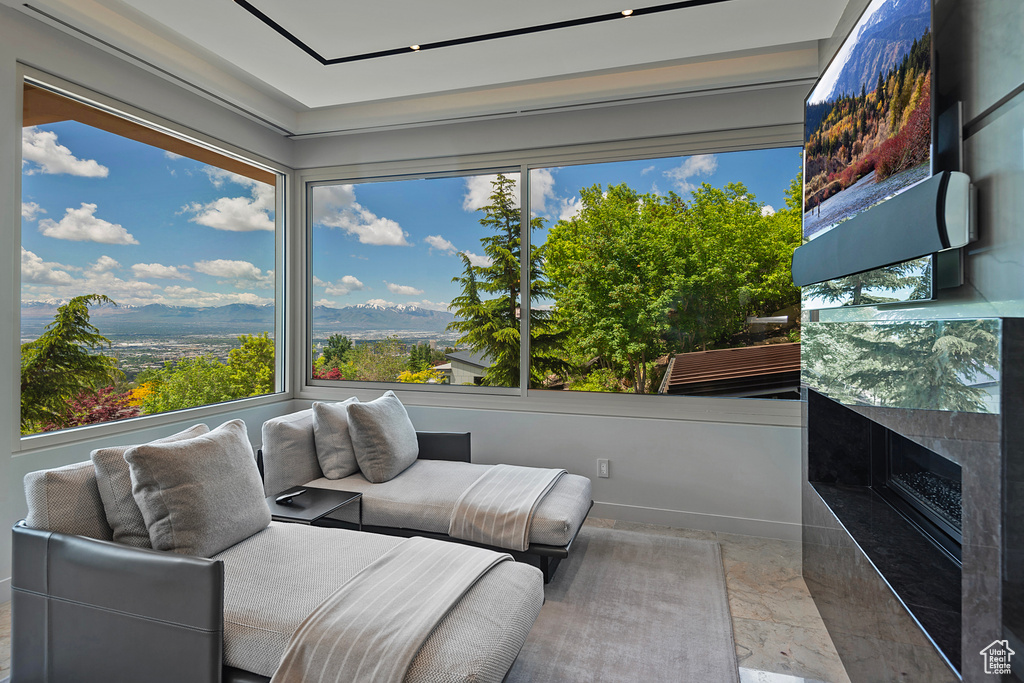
{"x": 414, "y": 48}
{"x": 627, "y": 12}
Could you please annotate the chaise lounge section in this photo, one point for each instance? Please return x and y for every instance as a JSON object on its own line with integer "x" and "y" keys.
{"x": 420, "y": 500}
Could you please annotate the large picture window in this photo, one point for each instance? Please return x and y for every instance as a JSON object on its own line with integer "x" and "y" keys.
{"x": 672, "y": 276}
{"x": 147, "y": 269}
{"x": 417, "y": 281}
{"x": 658, "y": 276}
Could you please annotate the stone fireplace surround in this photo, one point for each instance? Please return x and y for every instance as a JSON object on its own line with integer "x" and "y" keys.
{"x": 890, "y": 599}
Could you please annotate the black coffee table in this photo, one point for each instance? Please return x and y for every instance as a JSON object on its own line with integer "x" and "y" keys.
{"x": 313, "y": 505}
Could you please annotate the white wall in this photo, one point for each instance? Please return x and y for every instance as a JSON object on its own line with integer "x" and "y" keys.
{"x": 704, "y": 475}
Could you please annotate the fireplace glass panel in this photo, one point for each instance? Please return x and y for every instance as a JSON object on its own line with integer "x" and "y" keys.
{"x": 928, "y": 481}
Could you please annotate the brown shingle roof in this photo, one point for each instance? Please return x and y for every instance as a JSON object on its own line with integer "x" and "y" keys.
{"x": 741, "y": 371}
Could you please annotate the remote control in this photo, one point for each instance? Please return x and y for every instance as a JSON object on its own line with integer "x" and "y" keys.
{"x": 286, "y": 498}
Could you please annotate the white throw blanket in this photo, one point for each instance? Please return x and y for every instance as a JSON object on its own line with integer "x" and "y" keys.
{"x": 497, "y": 509}
{"x": 371, "y": 628}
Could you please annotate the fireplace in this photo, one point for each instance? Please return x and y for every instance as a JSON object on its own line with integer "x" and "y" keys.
{"x": 923, "y": 486}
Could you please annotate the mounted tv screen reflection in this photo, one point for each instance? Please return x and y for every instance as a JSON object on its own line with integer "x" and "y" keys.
{"x": 867, "y": 126}
{"x": 907, "y": 281}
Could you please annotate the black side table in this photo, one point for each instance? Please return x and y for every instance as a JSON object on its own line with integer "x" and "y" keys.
{"x": 313, "y": 505}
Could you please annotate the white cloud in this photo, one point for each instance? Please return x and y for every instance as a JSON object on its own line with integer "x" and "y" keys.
{"x": 699, "y": 165}
{"x": 481, "y": 260}
{"x": 346, "y": 285}
{"x": 569, "y": 208}
{"x": 402, "y": 290}
{"x": 80, "y": 225}
{"x": 30, "y": 210}
{"x": 647, "y": 169}
{"x": 430, "y": 305}
{"x": 145, "y": 271}
{"x": 767, "y": 210}
{"x": 191, "y": 296}
{"x": 122, "y": 291}
{"x": 241, "y": 273}
{"x": 335, "y": 206}
{"x": 103, "y": 264}
{"x": 171, "y": 155}
{"x": 236, "y": 214}
{"x": 380, "y": 302}
{"x": 37, "y": 271}
{"x": 542, "y": 189}
{"x": 440, "y": 243}
{"x": 479, "y": 188}
{"x": 325, "y": 302}
{"x": 40, "y": 147}
{"x": 544, "y": 199}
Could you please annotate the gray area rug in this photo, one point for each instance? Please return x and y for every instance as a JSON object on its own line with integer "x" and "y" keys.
{"x": 631, "y": 606}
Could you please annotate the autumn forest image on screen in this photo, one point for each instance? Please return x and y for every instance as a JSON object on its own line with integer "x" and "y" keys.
{"x": 867, "y": 133}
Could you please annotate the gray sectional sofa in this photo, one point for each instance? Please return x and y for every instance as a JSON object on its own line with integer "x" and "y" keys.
{"x": 420, "y": 499}
{"x": 88, "y": 608}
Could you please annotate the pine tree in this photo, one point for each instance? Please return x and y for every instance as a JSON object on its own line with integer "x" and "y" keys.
{"x": 62, "y": 364}
{"x": 490, "y": 327}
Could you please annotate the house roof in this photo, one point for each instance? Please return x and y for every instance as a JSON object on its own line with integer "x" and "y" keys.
{"x": 743, "y": 371}
{"x": 481, "y": 361}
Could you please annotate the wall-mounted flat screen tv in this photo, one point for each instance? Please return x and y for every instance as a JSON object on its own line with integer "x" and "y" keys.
{"x": 868, "y": 119}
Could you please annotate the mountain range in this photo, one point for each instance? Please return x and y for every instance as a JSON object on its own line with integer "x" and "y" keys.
{"x": 236, "y": 318}
{"x": 882, "y": 42}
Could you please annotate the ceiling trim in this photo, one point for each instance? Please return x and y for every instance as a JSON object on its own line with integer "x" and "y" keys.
{"x": 153, "y": 67}
{"x": 407, "y": 49}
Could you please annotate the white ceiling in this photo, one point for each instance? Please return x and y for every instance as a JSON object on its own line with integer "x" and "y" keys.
{"x": 215, "y": 43}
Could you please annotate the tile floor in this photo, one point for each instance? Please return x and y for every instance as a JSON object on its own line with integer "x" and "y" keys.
{"x": 780, "y": 637}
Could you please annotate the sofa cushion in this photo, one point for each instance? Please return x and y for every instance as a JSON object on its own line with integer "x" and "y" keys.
{"x": 423, "y": 497}
{"x": 334, "y": 449}
{"x": 66, "y": 500}
{"x": 201, "y": 495}
{"x": 289, "y": 452}
{"x": 115, "y": 484}
{"x": 297, "y": 567}
{"x": 383, "y": 437}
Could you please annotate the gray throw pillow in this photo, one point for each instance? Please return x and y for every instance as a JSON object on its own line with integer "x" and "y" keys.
{"x": 65, "y": 500}
{"x": 333, "y": 442}
{"x": 202, "y": 495}
{"x": 383, "y": 437}
{"x": 115, "y": 484}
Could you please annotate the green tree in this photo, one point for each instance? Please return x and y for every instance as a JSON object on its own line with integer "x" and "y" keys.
{"x": 420, "y": 357}
{"x": 635, "y": 275}
{"x": 62, "y": 364}
{"x": 736, "y": 263}
{"x": 335, "y": 352}
{"x": 615, "y": 270}
{"x": 251, "y": 366}
{"x": 190, "y": 382}
{"x": 381, "y": 361}
{"x": 490, "y": 326}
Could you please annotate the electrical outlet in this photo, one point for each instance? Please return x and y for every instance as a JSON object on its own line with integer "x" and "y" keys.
{"x": 602, "y": 467}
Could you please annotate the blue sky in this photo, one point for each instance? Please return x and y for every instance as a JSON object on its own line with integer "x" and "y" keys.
{"x": 106, "y": 214}
{"x": 399, "y": 242}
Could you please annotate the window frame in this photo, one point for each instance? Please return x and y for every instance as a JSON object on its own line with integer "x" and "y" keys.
{"x": 284, "y": 383}
{"x": 729, "y": 410}
{"x": 307, "y": 307}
